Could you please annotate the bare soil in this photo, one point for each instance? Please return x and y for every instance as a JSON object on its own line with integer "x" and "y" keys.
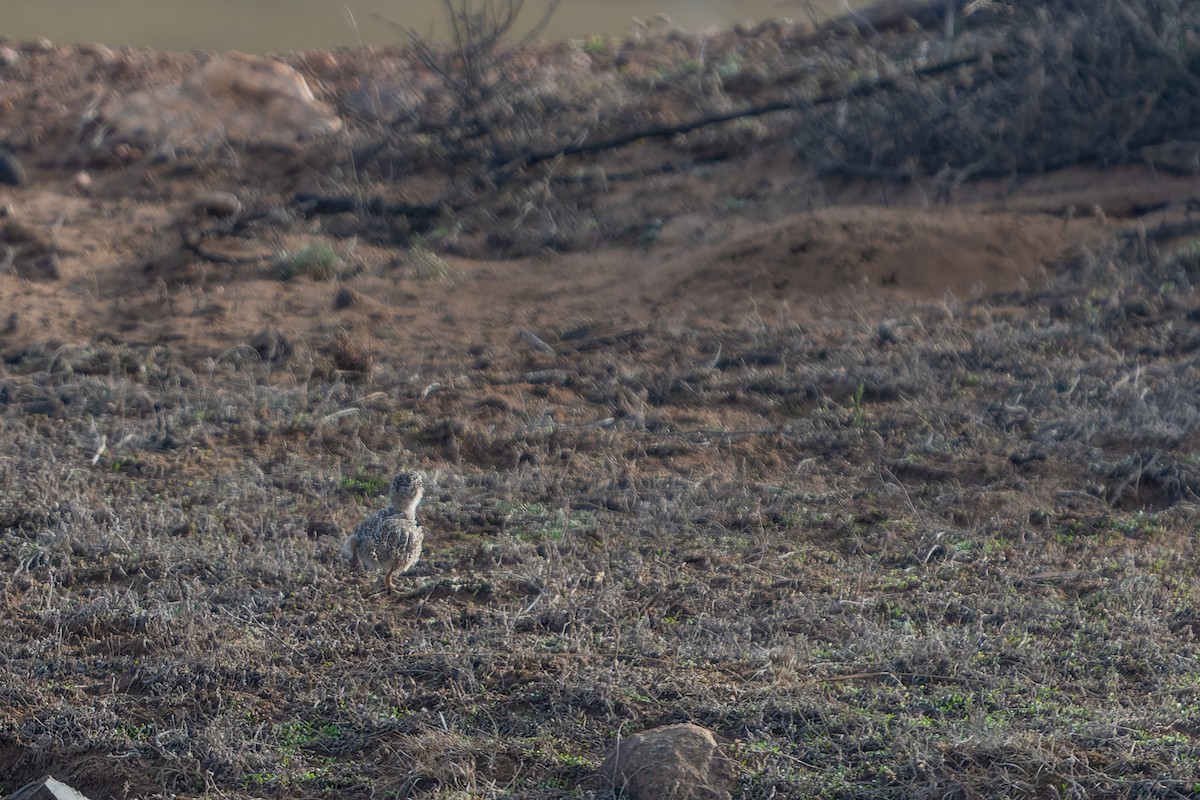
{"x": 895, "y": 489}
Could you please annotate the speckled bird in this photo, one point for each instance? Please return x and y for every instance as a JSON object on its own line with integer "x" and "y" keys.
{"x": 390, "y": 539}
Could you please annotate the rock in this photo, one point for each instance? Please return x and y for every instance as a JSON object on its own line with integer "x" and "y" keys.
{"x": 1177, "y": 157}
{"x": 218, "y": 204}
{"x": 123, "y": 153}
{"x": 8, "y": 56}
{"x": 33, "y": 251}
{"x": 101, "y": 52}
{"x": 238, "y": 98}
{"x": 271, "y": 345}
{"x": 82, "y": 182}
{"x": 349, "y": 355}
{"x": 321, "y": 62}
{"x": 672, "y": 762}
{"x": 46, "y": 789}
{"x": 11, "y": 171}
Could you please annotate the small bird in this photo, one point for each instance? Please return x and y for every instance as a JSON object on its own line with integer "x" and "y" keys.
{"x": 390, "y": 539}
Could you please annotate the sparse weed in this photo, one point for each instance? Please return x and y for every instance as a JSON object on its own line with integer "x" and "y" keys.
{"x": 429, "y": 266}
{"x": 651, "y": 231}
{"x": 596, "y": 44}
{"x": 316, "y": 260}
{"x": 367, "y": 485}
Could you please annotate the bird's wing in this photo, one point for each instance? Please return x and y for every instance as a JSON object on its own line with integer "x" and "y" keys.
{"x": 399, "y": 533}
{"x": 368, "y": 537}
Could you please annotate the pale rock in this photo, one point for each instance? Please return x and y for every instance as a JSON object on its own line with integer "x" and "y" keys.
{"x": 321, "y": 62}
{"x": 82, "y": 182}
{"x": 672, "y": 762}
{"x": 239, "y": 98}
{"x": 218, "y": 204}
{"x": 46, "y": 789}
{"x": 101, "y": 52}
{"x": 11, "y": 170}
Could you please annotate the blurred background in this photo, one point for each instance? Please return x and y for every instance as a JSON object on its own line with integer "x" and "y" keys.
{"x": 265, "y": 25}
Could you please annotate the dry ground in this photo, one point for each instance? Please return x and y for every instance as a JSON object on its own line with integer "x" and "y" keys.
{"x": 898, "y": 497}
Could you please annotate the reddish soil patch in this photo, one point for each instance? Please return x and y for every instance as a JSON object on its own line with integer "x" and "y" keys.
{"x": 750, "y": 235}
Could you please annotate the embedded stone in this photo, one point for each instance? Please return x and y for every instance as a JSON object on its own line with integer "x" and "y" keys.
{"x": 672, "y": 762}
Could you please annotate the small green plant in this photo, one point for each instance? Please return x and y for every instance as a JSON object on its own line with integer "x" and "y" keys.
{"x": 1185, "y": 258}
{"x": 730, "y": 66}
{"x": 365, "y": 484}
{"x": 261, "y": 779}
{"x": 536, "y": 522}
{"x": 688, "y": 66}
{"x": 574, "y": 760}
{"x": 652, "y": 230}
{"x": 595, "y": 44}
{"x": 316, "y": 260}
{"x": 137, "y": 732}
{"x": 858, "y": 414}
{"x": 301, "y": 733}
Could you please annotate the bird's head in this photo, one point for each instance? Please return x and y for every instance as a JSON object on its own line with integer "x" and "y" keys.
{"x": 406, "y": 490}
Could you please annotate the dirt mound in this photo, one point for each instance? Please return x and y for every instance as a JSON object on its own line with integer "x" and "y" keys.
{"x": 844, "y": 252}
{"x": 802, "y": 266}
{"x": 808, "y": 264}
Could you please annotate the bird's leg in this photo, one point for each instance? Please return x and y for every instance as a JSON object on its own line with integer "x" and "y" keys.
{"x": 387, "y": 579}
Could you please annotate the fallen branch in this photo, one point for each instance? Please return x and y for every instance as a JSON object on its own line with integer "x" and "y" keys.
{"x": 336, "y": 204}
{"x": 834, "y": 167}
{"x": 418, "y": 216}
{"x": 860, "y": 89}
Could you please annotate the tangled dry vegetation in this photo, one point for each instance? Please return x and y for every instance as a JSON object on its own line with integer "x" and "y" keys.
{"x": 1035, "y": 87}
{"x": 504, "y": 142}
{"x": 950, "y": 556}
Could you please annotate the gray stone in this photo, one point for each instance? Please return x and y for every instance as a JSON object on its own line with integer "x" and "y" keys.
{"x": 673, "y": 762}
{"x": 218, "y": 204}
{"x": 101, "y": 52}
{"x": 345, "y": 299}
{"x": 11, "y": 171}
{"x": 270, "y": 345}
{"x": 46, "y": 789}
